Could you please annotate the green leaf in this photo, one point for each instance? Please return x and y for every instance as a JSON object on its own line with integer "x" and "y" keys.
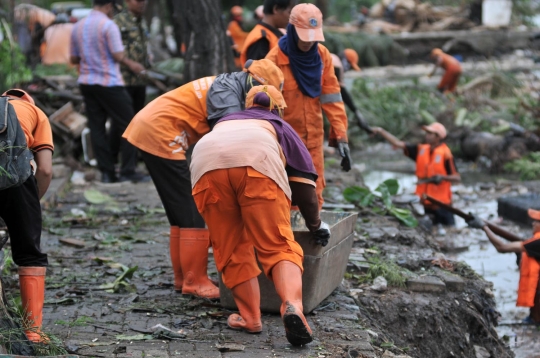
{"x": 355, "y": 194}
{"x": 392, "y": 185}
{"x": 404, "y": 216}
{"x": 367, "y": 200}
{"x": 94, "y": 196}
{"x": 385, "y": 195}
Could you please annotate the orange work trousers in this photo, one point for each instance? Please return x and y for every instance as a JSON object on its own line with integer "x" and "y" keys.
{"x": 449, "y": 80}
{"x": 246, "y": 210}
{"x": 317, "y": 155}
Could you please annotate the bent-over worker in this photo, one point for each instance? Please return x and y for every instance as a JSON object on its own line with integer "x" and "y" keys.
{"x": 245, "y": 174}
{"x": 311, "y": 87}
{"x": 163, "y": 131}
{"x": 529, "y": 268}
{"x": 435, "y": 170}
{"x": 21, "y": 211}
{"x": 452, "y": 69}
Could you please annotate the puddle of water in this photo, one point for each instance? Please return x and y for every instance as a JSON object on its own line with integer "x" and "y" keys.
{"x": 501, "y": 269}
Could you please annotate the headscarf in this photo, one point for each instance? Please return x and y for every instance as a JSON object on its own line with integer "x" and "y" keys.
{"x": 305, "y": 66}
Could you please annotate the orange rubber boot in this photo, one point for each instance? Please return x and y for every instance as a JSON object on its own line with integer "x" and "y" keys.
{"x": 247, "y": 296}
{"x": 32, "y": 282}
{"x": 174, "y": 248}
{"x": 194, "y": 245}
{"x": 287, "y": 278}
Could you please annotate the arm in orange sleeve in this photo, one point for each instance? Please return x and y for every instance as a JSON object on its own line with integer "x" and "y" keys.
{"x": 331, "y": 101}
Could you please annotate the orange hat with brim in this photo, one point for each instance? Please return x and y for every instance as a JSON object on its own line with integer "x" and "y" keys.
{"x": 20, "y": 94}
{"x": 436, "y": 52}
{"x": 436, "y": 128}
{"x": 265, "y": 72}
{"x": 534, "y": 214}
{"x": 307, "y": 20}
{"x": 237, "y": 10}
{"x": 276, "y": 98}
{"x": 352, "y": 57}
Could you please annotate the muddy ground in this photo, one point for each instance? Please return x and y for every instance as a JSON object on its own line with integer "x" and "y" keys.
{"x": 111, "y": 284}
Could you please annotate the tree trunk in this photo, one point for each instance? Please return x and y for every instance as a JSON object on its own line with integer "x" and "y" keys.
{"x": 323, "y": 6}
{"x": 207, "y": 47}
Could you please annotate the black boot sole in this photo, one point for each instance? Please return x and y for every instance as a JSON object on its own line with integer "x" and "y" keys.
{"x": 295, "y": 330}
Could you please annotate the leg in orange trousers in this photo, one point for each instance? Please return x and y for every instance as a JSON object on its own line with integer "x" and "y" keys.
{"x": 245, "y": 210}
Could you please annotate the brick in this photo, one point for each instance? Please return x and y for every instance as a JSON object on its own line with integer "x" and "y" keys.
{"x": 426, "y": 284}
{"x": 453, "y": 282}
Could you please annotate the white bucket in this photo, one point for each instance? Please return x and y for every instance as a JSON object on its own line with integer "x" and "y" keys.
{"x": 496, "y": 12}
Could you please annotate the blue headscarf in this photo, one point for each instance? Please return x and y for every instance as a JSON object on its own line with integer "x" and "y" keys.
{"x": 306, "y": 66}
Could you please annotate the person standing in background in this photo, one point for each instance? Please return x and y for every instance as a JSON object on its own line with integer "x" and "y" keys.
{"x": 237, "y": 33}
{"x": 96, "y": 45}
{"x": 452, "y": 69}
{"x": 134, "y": 33}
{"x": 266, "y": 34}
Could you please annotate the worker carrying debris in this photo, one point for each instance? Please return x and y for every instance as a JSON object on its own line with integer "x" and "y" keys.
{"x": 163, "y": 131}
{"x": 237, "y": 33}
{"x": 311, "y": 87}
{"x": 266, "y": 34}
{"x": 19, "y": 202}
{"x": 435, "y": 170}
{"x": 452, "y": 69}
{"x": 245, "y": 173}
{"x": 529, "y": 268}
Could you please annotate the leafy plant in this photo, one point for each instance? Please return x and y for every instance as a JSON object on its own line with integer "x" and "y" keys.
{"x": 394, "y": 274}
{"x": 528, "y": 167}
{"x": 122, "y": 281}
{"x": 13, "y": 69}
{"x": 380, "y": 201}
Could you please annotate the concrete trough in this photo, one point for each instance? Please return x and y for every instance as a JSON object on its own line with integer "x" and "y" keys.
{"x": 324, "y": 267}
{"x": 515, "y": 207}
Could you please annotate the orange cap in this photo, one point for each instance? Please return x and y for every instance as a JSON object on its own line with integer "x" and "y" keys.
{"x": 436, "y": 128}
{"x": 352, "y": 57}
{"x": 307, "y": 20}
{"x": 436, "y": 52}
{"x": 265, "y": 72}
{"x": 276, "y": 98}
{"x": 237, "y": 10}
{"x": 20, "y": 94}
{"x": 534, "y": 214}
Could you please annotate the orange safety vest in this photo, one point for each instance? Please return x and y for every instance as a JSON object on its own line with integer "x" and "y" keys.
{"x": 428, "y": 164}
{"x": 258, "y": 32}
{"x": 529, "y": 274}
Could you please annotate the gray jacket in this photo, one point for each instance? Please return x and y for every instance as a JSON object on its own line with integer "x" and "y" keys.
{"x": 226, "y": 95}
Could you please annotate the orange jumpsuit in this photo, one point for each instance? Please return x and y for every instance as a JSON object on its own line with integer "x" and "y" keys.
{"x": 529, "y": 274}
{"x": 238, "y": 36}
{"x": 168, "y": 125}
{"x": 243, "y": 208}
{"x": 304, "y": 113}
{"x": 451, "y": 75}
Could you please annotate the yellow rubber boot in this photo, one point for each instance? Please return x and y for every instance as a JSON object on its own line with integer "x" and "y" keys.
{"x": 247, "y": 296}
{"x": 32, "y": 282}
{"x": 194, "y": 245}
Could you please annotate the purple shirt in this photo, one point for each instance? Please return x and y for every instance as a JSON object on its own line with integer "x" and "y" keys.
{"x": 94, "y": 39}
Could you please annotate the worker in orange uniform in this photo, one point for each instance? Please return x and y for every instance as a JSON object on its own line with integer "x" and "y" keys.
{"x": 266, "y": 34}
{"x": 245, "y": 173}
{"x": 19, "y": 204}
{"x": 529, "y": 267}
{"x": 452, "y": 69}
{"x": 348, "y": 60}
{"x": 435, "y": 170}
{"x": 311, "y": 87}
{"x": 237, "y": 33}
{"x": 163, "y": 131}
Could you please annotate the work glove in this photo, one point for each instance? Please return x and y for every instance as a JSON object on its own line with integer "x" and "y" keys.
{"x": 322, "y": 234}
{"x": 362, "y": 123}
{"x": 476, "y": 222}
{"x": 345, "y": 153}
{"x": 436, "y": 179}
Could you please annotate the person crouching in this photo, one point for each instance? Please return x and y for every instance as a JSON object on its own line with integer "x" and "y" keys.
{"x": 245, "y": 173}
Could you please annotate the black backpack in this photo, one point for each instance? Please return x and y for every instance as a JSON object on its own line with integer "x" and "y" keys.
{"x": 15, "y": 157}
